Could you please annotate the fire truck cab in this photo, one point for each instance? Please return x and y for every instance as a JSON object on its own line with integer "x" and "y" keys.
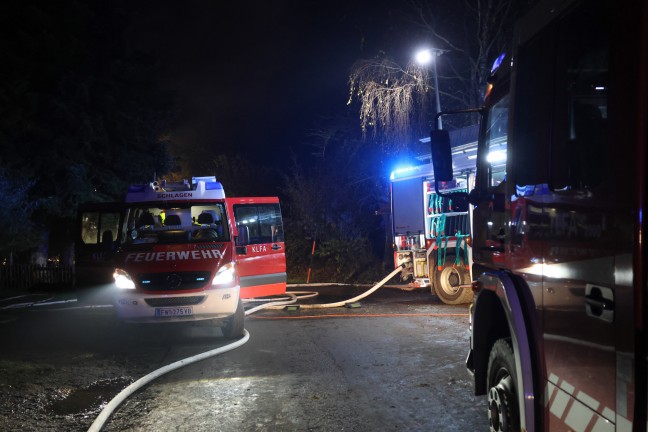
{"x": 185, "y": 252}
{"x": 558, "y": 334}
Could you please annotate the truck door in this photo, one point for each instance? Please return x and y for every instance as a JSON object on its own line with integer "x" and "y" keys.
{"x": 260, "y": 248}
{"x": 581, "y": 222}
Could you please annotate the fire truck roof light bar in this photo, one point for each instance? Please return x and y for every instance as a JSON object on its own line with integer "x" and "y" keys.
{"x": 199, "y": 188}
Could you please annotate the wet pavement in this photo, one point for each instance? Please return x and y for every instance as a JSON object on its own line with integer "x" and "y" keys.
{"x": 395, "y": 363}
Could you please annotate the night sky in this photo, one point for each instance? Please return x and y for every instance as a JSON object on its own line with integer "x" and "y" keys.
{"x": 256, "y": 76}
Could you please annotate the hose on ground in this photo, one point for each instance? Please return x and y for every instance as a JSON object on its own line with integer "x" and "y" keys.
{"x": 345, "y": 302}
{"x": 108, "y": 410}
{"x": 121, "y": 397}
{"x": 280, "y": 303}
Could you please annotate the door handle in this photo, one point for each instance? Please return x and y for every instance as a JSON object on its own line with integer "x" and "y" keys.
{"x": 599, "y": 302}
{"x": 275, "y": 247}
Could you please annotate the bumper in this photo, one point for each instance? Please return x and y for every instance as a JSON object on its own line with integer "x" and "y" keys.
{"x": 132, "y": 306}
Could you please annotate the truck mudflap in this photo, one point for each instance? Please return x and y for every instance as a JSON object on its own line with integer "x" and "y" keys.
{"x": 470, "y": 367}
{"x": 470, "y": 361}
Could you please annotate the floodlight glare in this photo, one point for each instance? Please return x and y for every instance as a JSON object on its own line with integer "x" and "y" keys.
{"x": 424, "y": 57}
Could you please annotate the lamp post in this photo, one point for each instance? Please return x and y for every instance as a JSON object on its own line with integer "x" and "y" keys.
{"x": 425, "y": 57}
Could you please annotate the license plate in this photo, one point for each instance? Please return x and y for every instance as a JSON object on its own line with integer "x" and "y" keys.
{"x": 173, "y": 312}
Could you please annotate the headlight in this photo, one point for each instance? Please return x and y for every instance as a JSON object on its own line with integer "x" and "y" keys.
{"x": 123, "y": 280}
{"x": 225, "y": 275}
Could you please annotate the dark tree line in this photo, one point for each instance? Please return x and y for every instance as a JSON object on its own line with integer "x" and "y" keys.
{"x": 79, "y": 113}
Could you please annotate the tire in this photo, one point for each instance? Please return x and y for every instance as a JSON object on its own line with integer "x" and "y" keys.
{"x": 234, "y": 326}
{"x": 447, "y": 281}
{"x": 503, "y": 410}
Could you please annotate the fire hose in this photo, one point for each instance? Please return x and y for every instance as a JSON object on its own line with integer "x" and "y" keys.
{"x": 108, "y": 410}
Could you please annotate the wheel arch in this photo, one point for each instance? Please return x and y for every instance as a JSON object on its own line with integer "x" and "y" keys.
{"x": 504, "y": 309}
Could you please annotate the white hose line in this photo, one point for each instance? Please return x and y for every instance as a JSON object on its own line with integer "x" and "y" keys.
{"x": 279, "y": 304}
{"x": 354, "y": 299}
{"x": 117, "y": 400}
{"x": 345, "y": 302}
{"x": 108, "y": 410}
{"x": 121, "y": 396}
{"x": 299, "y": 294}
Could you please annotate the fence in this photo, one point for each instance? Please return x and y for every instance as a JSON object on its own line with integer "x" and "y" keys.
{"x": 29, "y": 276}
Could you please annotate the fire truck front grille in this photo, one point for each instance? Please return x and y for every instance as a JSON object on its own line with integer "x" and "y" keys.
{"x": 176, "y": 281}
{"x": 174, "y": 301}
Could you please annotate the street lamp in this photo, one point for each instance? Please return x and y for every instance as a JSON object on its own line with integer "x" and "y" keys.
{"x": 425, "y": 57}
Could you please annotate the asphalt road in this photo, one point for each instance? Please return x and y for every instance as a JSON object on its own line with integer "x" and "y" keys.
{"x": 396, "y": 363}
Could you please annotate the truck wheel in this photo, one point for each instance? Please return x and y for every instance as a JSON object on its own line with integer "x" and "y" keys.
{"x": 233, "y": 326}
{"x": 447, "y": 283}
{"x": 503, "y": 412}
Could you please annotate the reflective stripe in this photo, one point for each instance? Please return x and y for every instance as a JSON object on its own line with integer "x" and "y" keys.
{"x": 588, "y": 400}
{"x": 553, "y": 379}
{"x": 579, "y": 416}
{"x": 549, "y": 392}
{"x": 578, "y": 410}
{"x": 567, "y": 387}
{"x": 559, "y": 404}
{"x": 623, "y": 424}
{"x": 266, "y": 279}
{"x": 603, "y": 425}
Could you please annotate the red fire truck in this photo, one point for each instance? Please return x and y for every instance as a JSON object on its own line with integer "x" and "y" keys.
{"x": 431, "y": 232}
{"x": 558, "y": 337}
{"x": 184, "y": 252}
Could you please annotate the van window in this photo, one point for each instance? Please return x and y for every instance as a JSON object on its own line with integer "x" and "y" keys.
{"x": 176, "y": 223}
{"x": 97, "y": 226}
{"x": 263, "y": 222}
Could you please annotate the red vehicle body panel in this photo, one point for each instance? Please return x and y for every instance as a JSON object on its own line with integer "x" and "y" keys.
{"x": 149, "y": 259}
{"x": 261, "y": 261}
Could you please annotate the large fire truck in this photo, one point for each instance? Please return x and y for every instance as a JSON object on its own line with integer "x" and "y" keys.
{"x": 558, "y": 337}
{"x": 182, "y": 251}
{"x": 431, "y": 232}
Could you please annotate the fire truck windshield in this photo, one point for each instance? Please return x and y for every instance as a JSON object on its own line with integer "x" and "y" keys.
{"x": 167, "y": 223}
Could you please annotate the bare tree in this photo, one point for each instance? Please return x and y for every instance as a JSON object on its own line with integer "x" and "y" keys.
{"x": 389, "y": 95}
{"x": 471, "y": 33}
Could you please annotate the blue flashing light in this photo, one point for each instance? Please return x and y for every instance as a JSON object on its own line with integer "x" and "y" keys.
{"x": 205, "y": 179}
{"x": 213, "y": 186}
{"x": 144, "y": 282}
{"x": 403, "y": 170}
{"x": 498, "y": 62}
{"x": 200, "y": 279}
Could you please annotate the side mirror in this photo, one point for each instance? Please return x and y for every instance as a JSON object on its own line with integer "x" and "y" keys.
{"x": 441, "y": 155}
